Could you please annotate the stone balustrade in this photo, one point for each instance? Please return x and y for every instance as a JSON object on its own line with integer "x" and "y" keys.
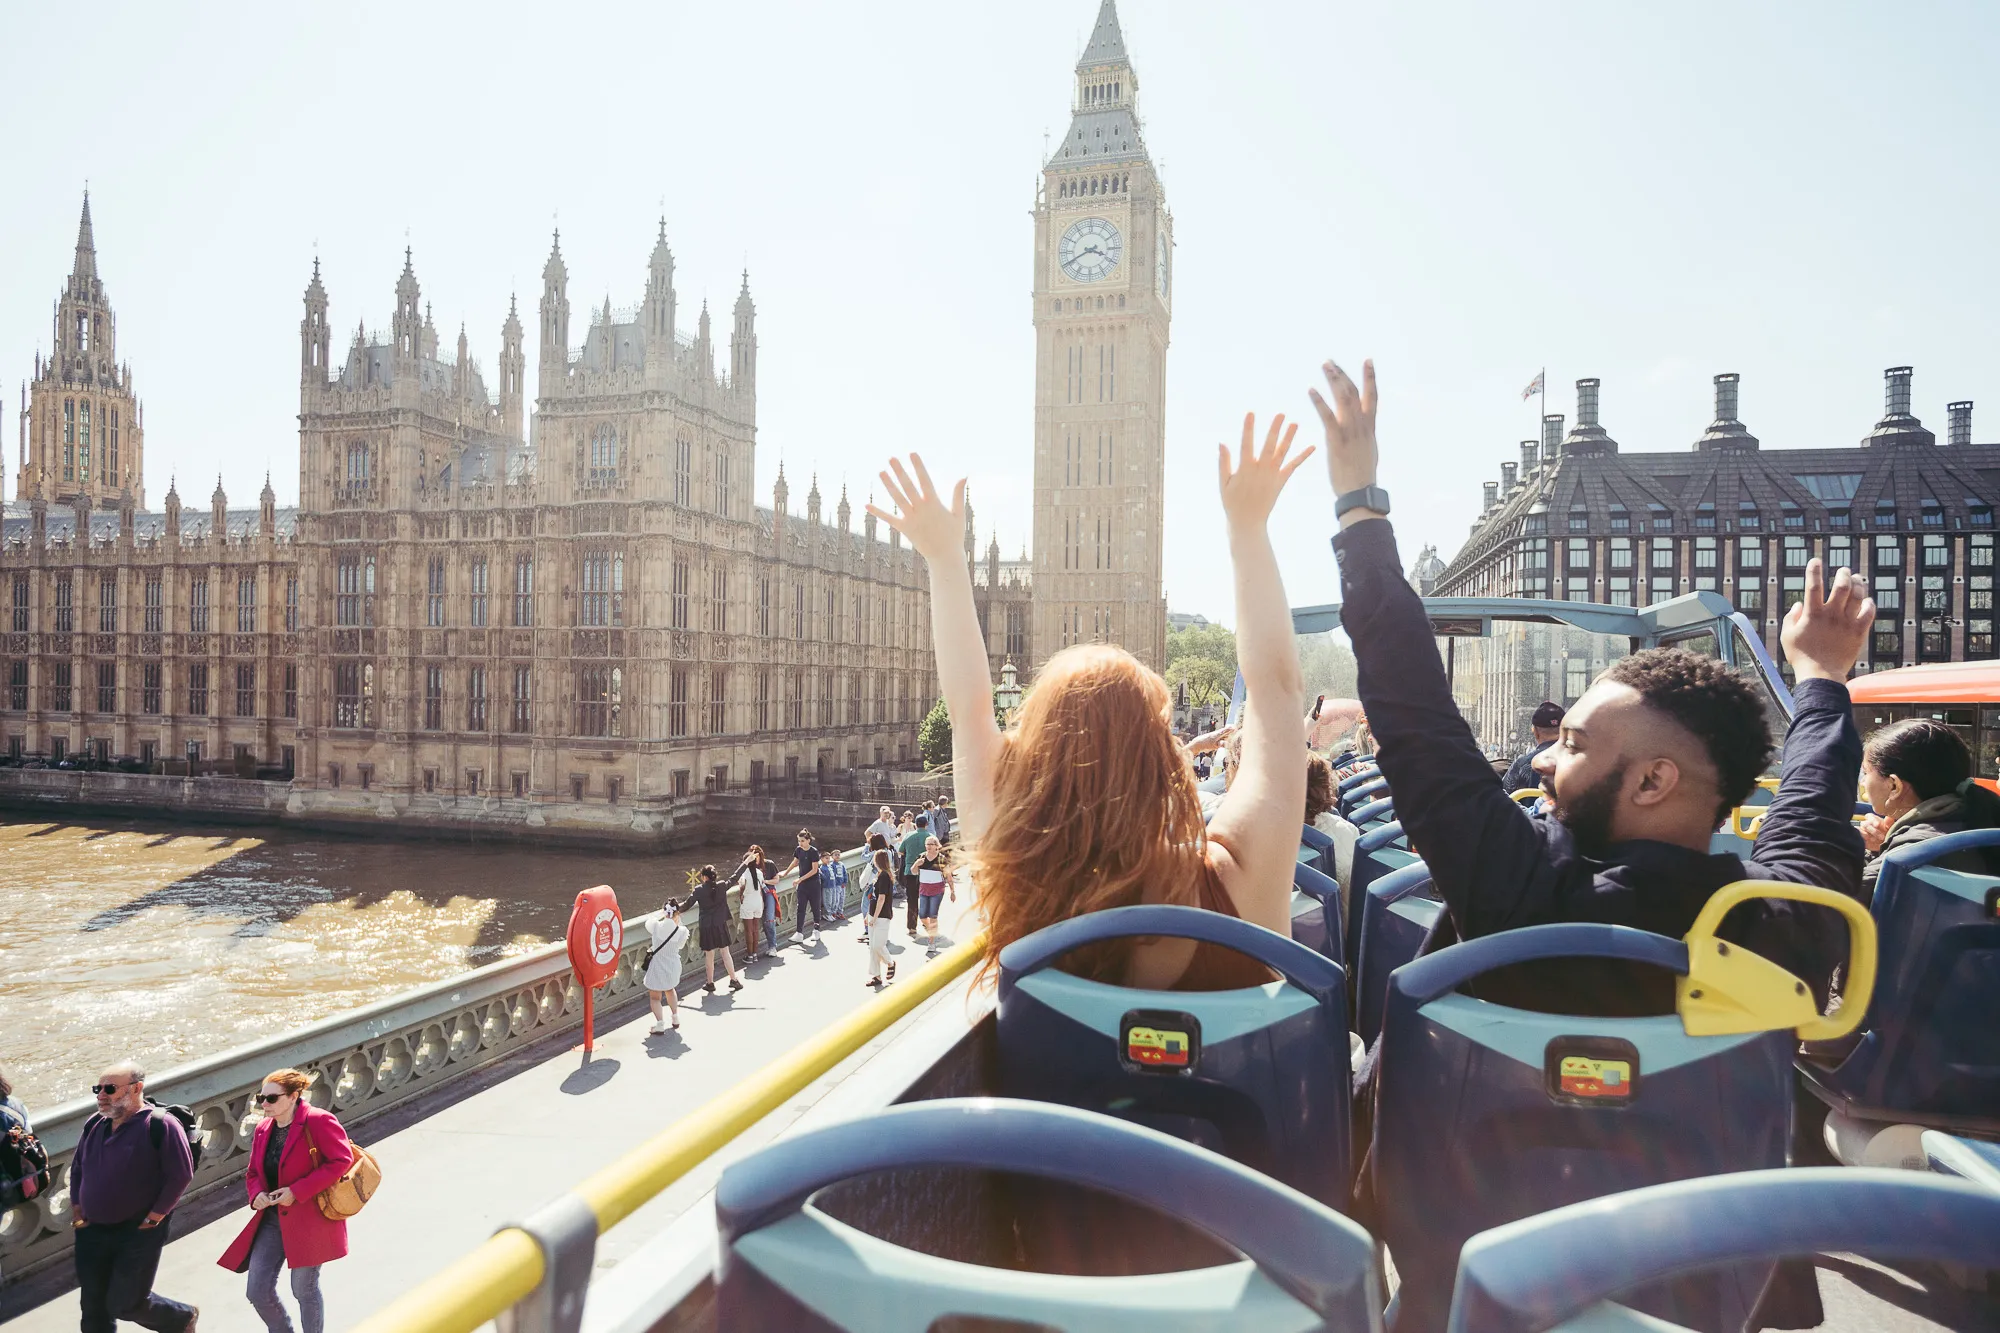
{"x": 413, "y": 1045}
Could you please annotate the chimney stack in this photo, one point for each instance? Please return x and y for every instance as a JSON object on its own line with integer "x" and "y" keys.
{"x": 1960, "y": 429}
{"x": 1552, "y": 436}
{"x": 1898, "y": 425}
{"x": 1528, "y": 448}
{"x": 1896, "y": 396}
{"x": 1492, "y": 496}
{"x": 1725, "y": 396}
{"x": 1506, "y": 479}
{"x": 1586, "y": 403}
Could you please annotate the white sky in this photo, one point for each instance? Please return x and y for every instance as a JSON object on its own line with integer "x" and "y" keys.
{"x": 1468, "y": 192}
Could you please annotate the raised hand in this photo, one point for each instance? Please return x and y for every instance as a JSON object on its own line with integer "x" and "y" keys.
{"x": 1350, "y": 427}
{"x": 1824, "y": 634}
{"x": 1250, "y": 487}
{"x": 935, "y": 529}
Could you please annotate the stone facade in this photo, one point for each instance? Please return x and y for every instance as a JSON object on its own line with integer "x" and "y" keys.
{"x": 1103, "y": 269}
{"x": 587, "y": 624}
{"x": 1578, "y": 520}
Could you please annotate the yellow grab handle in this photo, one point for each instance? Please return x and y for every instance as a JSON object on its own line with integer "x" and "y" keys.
{"x": 1531, "y": 795}
{"x": 1728, "y": 989}
{"x": 1743, "y": 821}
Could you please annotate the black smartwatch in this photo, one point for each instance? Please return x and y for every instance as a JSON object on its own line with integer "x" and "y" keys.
{"x": 1368, "y": 497}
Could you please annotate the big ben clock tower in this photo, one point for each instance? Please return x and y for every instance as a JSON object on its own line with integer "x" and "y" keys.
{"x": 1103, "y": 290}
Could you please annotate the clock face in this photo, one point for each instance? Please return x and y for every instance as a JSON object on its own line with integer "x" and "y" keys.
{"x": 1090, "y": 249}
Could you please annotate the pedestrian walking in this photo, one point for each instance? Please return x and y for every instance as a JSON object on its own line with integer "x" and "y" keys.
{"x": 877, "y": 842}
{"x": 711, "y": 899}
{"x": 668, "y": 936}
{"x": 812, "y": 889}
{"x": 297, "y": 1151}
{"x": 933, "y": 882}
{"x": 132, "y": 1163}
{"x": 925, "y": 815}
{"x": 909, "y": 846}
{"x": 885, "y": 824}
{"x": 750, "y": 907}
{"x": 881, "y": 914}
{"x": 24, "y": 1163}
{"x": 941, "y": 820}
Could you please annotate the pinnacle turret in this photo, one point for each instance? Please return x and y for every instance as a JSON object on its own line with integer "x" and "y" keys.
{"x": 85, "y": 270}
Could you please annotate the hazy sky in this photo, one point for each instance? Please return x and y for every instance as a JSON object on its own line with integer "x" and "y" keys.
{"x": 1650, "y": 194}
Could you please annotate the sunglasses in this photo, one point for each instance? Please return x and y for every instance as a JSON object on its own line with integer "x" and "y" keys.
{"x": 269, "y": 1097}
{"x": 106, "y": 1089}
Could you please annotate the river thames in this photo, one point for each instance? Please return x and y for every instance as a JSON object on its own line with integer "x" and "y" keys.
{"x": 172, "y": 942}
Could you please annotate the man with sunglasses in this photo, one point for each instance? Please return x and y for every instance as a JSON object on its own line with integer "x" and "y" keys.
{"x": 130, "y": 1166}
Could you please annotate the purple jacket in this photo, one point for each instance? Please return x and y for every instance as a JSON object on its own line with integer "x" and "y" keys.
{"x": 118, "y": 1176}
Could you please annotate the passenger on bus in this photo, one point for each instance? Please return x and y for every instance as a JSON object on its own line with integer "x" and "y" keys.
{"x": 1547, "y": 723}
{"x": 1323, "y": 813}
{"x": 1650, "y": 760}
{"x": 1087, "y": 801}
{"x": 1918, "y": 776}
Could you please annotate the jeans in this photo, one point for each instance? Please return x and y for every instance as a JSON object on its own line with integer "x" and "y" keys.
{"x": 115, "y": 1263}
{"x": 812, "y": 897}
{"x": 267, "y": 1256}
{"x": 770, "y": 924}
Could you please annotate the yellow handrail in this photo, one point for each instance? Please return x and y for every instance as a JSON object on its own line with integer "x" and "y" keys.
{"x": 508, "y": 1267}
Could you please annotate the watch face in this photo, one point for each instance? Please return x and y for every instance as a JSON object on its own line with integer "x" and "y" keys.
{"x": 1090, "y": 249}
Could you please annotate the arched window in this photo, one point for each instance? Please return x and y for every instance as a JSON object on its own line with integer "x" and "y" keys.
{"x": 69, "y": 421}
{"x": 603, "y": 457}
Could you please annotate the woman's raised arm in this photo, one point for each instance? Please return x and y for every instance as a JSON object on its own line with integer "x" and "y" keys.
{"x": 936, "y": 529}
{"x": 1256, "y": 831}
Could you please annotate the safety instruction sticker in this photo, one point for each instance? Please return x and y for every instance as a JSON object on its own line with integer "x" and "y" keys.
{"x": 1159, "y": 1041}
{"x": 1582, "y": 1076}
{"x": 1599, "y": 1072}
{"x": 1157, "y": 1046}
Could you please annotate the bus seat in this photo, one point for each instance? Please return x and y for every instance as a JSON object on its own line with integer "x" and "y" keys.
{"x": 1316, "y": 849}
{"x": 1375, "y": 812}
{"x": 1397, "y": 916}
{"x": 1969, "y": 1159}
{"x": 1377, "y": 852}
{"x": 1929, "y": 1051}
{"x": 1361, "y": 773}
{"x": 1560, "y": 1270}
{"x": 1362, "y": 793}
{"x": 1260, "y": 1075}
{"x": 1316, "y": 912}
{"x": 794, "y": 1257}
{"x": 1486, "y": 1114}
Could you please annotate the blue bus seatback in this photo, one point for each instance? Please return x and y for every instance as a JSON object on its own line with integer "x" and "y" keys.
{"x": 1486, "y": 1114}
{"x": 1930, "y": 1049}
{"x": 1375, "y": 789}
{"x": 1316, "y": 849}
{"x": 801, "y": 1228}
{"x": 1377, "y": 852}
{"x": 1560, "y": 1271}
{"x": 1260, "y": 1075}
{"x": 1397, "y": 915}
{"x": 1376, "y": 812}
{"x": 1316, "y": 912}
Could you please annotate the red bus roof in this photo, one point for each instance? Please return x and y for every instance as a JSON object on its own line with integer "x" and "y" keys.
{"x": 1932, "y": 683}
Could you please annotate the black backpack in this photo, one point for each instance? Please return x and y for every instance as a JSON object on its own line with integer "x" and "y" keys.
{"x": 158, "y": 1131}
{"x": 24, "y": 1164}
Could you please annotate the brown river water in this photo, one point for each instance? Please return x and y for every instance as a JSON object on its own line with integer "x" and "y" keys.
{"x": 170, "y": 942}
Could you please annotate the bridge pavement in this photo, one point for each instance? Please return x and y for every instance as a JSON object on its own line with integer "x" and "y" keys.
{"x": 451, "y": 1178}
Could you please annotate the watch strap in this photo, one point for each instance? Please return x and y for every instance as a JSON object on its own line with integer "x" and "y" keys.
{"x": 1368, "y": 497}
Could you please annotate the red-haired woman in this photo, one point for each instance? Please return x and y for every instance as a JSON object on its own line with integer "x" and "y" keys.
{"x": 1087, "y": 801}
{"x": 297, "y": 1151}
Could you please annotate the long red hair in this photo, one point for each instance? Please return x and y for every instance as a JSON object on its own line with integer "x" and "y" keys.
{"x": 1094, "y": 803}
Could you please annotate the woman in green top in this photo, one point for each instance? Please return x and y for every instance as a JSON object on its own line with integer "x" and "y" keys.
{"x": 909, "y": 846}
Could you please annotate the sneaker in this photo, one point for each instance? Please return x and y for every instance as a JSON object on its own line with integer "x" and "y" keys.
{"x": 736, "y": 983}
{"x": 710, "y": 988}
{"x": 657, "y": 1029}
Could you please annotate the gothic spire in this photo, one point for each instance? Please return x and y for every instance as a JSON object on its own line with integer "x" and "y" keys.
{"x": 1107, "y": 41}
{"x": 86, "y": 247}
{"x": 554, "y": 271}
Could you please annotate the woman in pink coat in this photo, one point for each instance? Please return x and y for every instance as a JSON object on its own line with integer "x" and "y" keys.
{"x": 298, "y": 1151}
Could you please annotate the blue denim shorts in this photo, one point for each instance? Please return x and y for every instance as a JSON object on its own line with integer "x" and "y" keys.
{"x": 927, "y": 905}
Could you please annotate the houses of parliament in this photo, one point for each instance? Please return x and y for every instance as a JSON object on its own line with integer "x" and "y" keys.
{"x": 580, "y": 619}
{"x": 581, "y": 627}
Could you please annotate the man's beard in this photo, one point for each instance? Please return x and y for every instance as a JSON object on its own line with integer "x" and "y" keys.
{"x": 1587, "y": 815}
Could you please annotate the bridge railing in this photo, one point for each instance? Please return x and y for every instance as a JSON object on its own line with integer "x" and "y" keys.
{"x": 533, "y": 1276}
{"x": 364, "y": 1062}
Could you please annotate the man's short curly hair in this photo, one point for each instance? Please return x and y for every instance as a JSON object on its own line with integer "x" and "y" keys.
{"x": 1721, "y": 708}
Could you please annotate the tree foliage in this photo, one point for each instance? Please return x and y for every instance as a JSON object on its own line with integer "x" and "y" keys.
{"x": 934, "y": 737}
{"x": 1202, "y": 658}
